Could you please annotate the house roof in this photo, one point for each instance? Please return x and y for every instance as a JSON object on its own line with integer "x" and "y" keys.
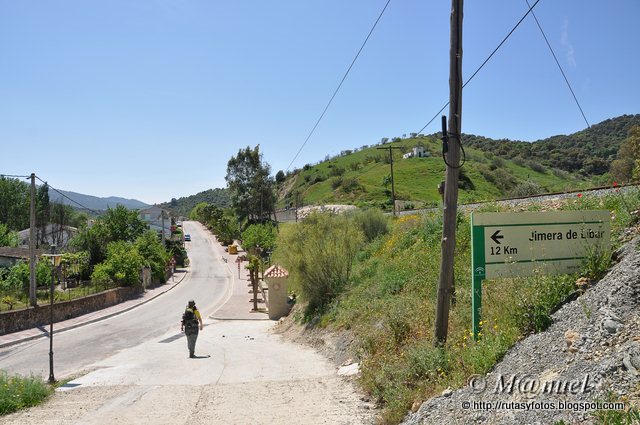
{"x": 49, "y": 229}
{"x": 20, "y": 253}
{"x": 276, "y": 271}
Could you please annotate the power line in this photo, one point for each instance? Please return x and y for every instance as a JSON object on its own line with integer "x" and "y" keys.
{"x": 65, "y": 196}
{"x": 485, "y": 61}
{"x": 14, "y": 176}
{"x": 566, "y": 80}
{"x": 339, "y": 85}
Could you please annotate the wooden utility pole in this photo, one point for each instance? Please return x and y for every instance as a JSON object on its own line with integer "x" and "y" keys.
{"x": 33, "y": 301}
{"x": 393, "y": 188}
{"x": 452, "y": 157}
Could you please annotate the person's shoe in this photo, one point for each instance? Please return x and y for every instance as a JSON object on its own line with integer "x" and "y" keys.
{"x": 191, "y": 356}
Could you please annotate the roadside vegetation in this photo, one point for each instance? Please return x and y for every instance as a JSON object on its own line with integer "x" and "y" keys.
{"x": 383, "y": 289}
{"x": 18, "y": 392}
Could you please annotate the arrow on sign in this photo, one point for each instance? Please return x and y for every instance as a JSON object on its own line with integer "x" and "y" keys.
{"x": 497, "y": 236}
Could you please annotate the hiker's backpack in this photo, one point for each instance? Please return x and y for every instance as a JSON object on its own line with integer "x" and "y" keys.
{"x": 190, "y": 321}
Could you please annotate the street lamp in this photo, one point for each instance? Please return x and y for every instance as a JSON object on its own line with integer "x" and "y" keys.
{"x": 55, "y": 262}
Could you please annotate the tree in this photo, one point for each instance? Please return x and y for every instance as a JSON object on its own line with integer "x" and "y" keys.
{"x": 627, "y": 166}
{"x": 280, "y": 177}
{"x": 252, "y": 192}
{"x": 14, "y": 203}
{"x": 153, "y": 254}
{"x": 42, "y": 214}
{"x": 122, "y": 224}
{"x": 122, "y": 266}
{"x": 259, "y": 235}
{"x": 7, "y": 237}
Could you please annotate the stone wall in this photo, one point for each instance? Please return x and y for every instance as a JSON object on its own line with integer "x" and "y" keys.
{"x": 27, "y": 318}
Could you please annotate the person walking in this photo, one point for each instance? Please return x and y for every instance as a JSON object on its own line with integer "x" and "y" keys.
{"x": 191, "y": 321}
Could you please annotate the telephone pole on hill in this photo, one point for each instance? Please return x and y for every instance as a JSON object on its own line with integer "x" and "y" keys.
{"x": 393, "y": 188}
{"x": 452, "y": 160}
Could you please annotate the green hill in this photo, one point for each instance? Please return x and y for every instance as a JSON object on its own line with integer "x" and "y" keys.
{"x": 588, "y": 152}
{"x": 357, "y": 177}
{"x": 183, "y": 206}
{"x": 494, "y": 169}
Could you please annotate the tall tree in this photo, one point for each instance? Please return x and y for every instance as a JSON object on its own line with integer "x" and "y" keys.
{"x": 42, "y": 214}
{"x": 627, "y": 166}
{"x": 251, "y": 187}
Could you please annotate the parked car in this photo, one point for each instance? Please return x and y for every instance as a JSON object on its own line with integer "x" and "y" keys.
{"x": 187, "y": 238}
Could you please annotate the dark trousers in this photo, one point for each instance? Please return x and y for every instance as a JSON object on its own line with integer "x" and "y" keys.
{"x": 191, "y": 342}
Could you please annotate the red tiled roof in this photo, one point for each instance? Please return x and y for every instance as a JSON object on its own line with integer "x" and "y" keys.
{"x": 276, "y": 271}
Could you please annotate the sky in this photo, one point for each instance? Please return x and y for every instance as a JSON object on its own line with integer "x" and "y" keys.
{"x": 149, "y": 99}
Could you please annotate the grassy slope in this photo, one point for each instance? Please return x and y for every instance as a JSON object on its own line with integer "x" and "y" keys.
{"x": 390, "y": 307}
{"x": 416, "y": 179}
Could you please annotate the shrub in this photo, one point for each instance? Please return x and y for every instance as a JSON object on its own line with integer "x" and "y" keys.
{"x": 350, "y": 184}
{"x": 336, "y": 182}
{"x": 526, "y": 189}
{"x": 320, "y": 252}
{"x": 372, "y": 222}
{"x": 18, "y": 393}
{"x": 336, "y": 171}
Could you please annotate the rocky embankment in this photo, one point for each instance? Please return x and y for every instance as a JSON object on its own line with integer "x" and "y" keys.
{"x": 590, "y": 355}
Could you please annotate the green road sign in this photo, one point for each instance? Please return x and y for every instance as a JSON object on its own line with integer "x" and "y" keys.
{"x": 528, "y": 243}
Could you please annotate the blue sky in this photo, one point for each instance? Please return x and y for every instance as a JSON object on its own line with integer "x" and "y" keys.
{"x": 149, "y": 99}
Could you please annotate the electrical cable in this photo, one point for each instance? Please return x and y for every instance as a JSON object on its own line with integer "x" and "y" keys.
{"x": 14, "y": 176}
{"x": 65, "y": 196}
{"x": 339, "y": 85}
{"x": 566, "y": 80}
{"x": 485, "y": 61}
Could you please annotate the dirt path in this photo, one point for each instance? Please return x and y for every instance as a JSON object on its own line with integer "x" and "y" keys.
{"x": 245, "y": 374}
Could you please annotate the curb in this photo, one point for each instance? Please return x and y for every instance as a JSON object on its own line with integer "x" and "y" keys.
{"x": 94, "y": 320}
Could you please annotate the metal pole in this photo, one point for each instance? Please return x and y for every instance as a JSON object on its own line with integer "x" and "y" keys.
{"x": 452, "y": 174}
{"x": 52, "y": 379}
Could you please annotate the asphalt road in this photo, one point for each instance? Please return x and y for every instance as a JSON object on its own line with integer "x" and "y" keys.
{"x": 208, "y": 282}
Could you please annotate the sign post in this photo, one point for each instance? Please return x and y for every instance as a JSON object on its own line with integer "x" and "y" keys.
{"x": 529, "y": 243}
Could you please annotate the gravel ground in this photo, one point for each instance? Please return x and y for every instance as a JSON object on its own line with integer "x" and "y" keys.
{"x": 590, "y": 351}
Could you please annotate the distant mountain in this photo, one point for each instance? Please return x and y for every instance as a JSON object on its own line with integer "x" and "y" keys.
{"x": 183, "y": 206}
{"x": 94, "y": 202}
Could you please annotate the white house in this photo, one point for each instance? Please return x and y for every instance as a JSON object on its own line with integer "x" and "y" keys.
{"x": 417, "y": 152}
{"x": 153, "y": 216}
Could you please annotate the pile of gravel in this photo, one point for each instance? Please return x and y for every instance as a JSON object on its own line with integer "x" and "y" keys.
{"x": 591, "y": 351}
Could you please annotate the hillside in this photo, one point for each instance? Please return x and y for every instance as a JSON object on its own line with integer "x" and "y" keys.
{"x": 357, "y": 177}
{"x": 183, "y": 206}
{"x": 494, "y": 169}
{"x": 94, "y": 202}
{"x": 588, "y": 152}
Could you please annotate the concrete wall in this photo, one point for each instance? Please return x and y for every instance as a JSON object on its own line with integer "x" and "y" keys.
{"x": 27, "y": 318}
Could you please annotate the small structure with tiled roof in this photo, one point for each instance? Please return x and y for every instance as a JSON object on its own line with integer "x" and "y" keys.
{"x": 276, "y": 278}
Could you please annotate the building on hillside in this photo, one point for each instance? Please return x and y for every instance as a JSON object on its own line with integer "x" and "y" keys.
{"x": 417, "y": 152}
{"x": 153, "y": 216}
{"x": 51, "y": 234}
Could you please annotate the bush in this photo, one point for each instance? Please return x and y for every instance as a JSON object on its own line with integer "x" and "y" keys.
{"x": 526, "y": 189}
{"x": 336, "y": 182}
{"x": 319, "y": 252}
{"x": 123, "y": 265}
{"x": 372, "y": 222}
{"x": 18, "y": 393}
{"x": 350, "y": 184}
{"x": 336, "y": 171}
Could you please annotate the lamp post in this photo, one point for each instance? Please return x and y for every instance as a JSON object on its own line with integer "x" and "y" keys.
{"x": 55, "y": 262}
